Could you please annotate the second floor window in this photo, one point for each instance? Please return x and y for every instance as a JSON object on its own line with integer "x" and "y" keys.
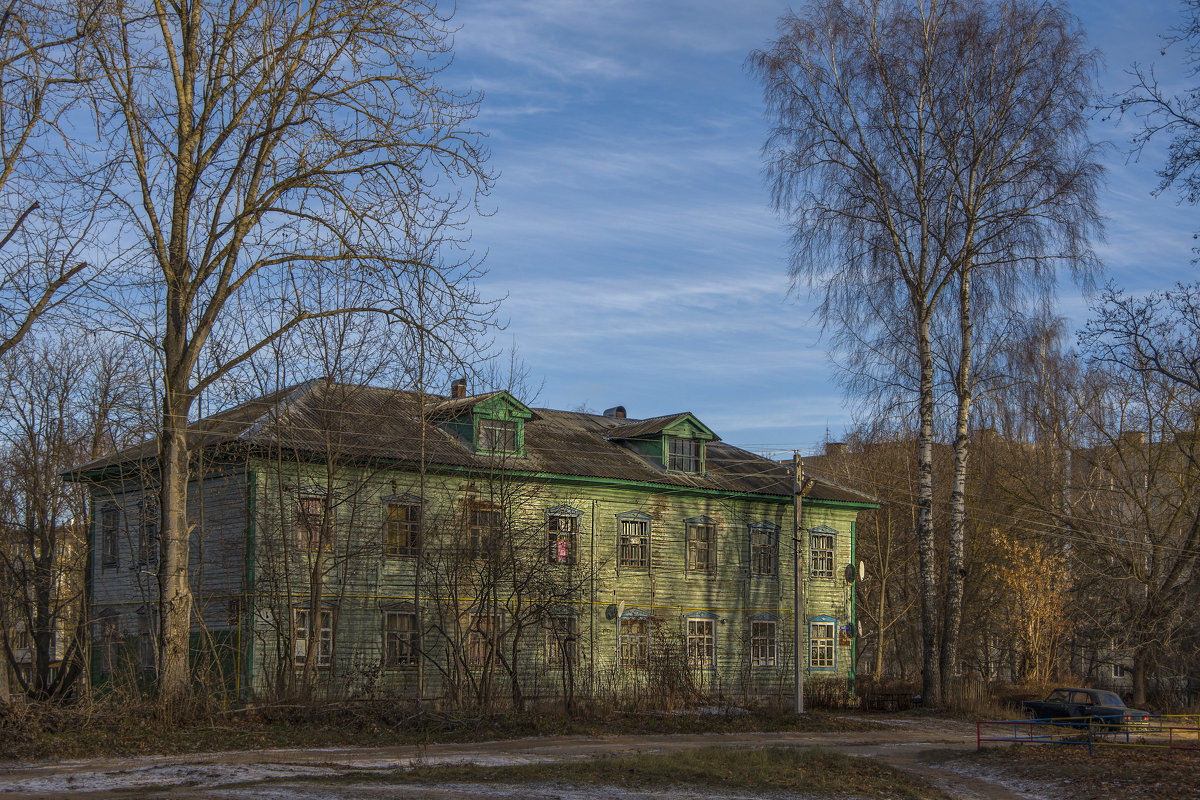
{"x": 402, "y": 529}
{"x": 484, "y": 524}
{"x": 313, "y": 528}
{"x": 561, "y": 535}
{"x": 110, "y": 522}
{"x": 821, "y": 564}
{"x": 148, "y": 531}
{"x": 763, "y": 550}
{"x": 701, "y": 547}
{"x": 635, "y": 544}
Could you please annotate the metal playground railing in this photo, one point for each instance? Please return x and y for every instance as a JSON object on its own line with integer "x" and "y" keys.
{"x": 1161, "y": 731}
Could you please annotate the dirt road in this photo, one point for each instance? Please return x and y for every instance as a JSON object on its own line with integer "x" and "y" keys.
{"x": 917, "y": 746}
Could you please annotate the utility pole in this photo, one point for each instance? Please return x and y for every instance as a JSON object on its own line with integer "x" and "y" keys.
{"x": 797, "y": 598}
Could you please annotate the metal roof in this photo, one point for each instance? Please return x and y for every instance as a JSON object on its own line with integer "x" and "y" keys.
{"x": 323, "y": 419}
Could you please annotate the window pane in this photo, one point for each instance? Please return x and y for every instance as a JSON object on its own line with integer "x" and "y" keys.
{"x": 684, "y": 455}
{"x": 402, "y": 529}
{"x": 701, "y": 548}
{"x": 560, "y": 538}
{"x": 635, "y": 544}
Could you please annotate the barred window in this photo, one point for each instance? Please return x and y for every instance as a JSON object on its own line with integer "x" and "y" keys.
{"x": 401, "y": 639}
{"x": 635, "y": 544}
{"x": 701, "y": 547}
{"x": 764, "y": 647}
{"x": 821, "y": 645}
{"x": 562, "y": 532}
{"x": 635, "y": 642}
{"x": 822, "y": 546}
{"x": 402, "y": 529}
{"x": 701, "y": 643}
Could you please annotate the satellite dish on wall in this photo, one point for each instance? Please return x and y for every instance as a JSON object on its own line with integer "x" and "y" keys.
{"x": 621, "y": 609}
{"x": 862, "y": 571}
{"x": 611, "y": 611}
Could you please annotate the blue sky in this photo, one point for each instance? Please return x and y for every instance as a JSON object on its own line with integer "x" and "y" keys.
{"x": 632, "y": 235}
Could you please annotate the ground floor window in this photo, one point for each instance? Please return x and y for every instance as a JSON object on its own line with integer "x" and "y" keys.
{"x": 401, "y": 639}
{"x": 562, "y": 640}
{"x": 635, "y": 642}
{"x": 821, "y": 644}
{"x": 482, "y": 634}
{"x": 764, "y": 647}
{"x": 320, "y": 645}
{"x": 701, "y": 643}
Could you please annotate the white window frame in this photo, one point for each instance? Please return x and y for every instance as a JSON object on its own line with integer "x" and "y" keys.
{"x": 822, "y": 645}
{"x": 324, "y": 633}
{"x": 764, "y": 642}
{"x": 822, "y": 548}
{"x": 701, "y": 641}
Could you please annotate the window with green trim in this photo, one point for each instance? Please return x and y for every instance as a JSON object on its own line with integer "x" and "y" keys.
{"x": 684, "y": 454}
{"x": 496, "y": 435}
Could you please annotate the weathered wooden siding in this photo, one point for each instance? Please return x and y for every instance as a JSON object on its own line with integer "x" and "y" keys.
{"x": 362, "y": 582}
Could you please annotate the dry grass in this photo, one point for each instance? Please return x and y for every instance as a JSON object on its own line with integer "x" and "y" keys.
{"x": 773, "y": 769}
{"x": 1111, "y": 774}
{"x": 40, "y": 732}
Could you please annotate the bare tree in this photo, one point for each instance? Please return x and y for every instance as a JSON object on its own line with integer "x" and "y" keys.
{"x": 268, "y": 153}
{"x": 43, "y": 226}
{"x": 1163, "y": 113}
{"x": 921, "y": 152}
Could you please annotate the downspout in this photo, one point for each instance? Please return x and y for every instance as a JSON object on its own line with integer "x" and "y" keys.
{"x": 247, "y": 625}
{"x": 853, "y": 605}
{"x": 592, "y": 608}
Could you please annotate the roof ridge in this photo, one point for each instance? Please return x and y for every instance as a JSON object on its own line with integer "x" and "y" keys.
{"x": 280, "y": 406}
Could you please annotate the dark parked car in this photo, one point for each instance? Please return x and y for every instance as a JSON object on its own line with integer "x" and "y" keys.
{"x": 1092, "y": 703}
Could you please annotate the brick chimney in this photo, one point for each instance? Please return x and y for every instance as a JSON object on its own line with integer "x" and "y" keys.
{"x": 458, "y": 389}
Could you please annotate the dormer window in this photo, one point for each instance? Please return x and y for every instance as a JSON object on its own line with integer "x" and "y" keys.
{"x": 497, "y": 435}
{"x": 684, "y": 454}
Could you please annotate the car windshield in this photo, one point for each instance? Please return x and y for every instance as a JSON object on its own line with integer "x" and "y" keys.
{"x": 1108, "y": 699}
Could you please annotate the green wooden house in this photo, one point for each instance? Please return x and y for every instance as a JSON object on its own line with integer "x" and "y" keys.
{"x": 469, "y": 550}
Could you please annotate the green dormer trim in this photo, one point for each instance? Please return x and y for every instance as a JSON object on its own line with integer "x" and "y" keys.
{"x": 677, "y": 442}
{"x": 499, "y": 425}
